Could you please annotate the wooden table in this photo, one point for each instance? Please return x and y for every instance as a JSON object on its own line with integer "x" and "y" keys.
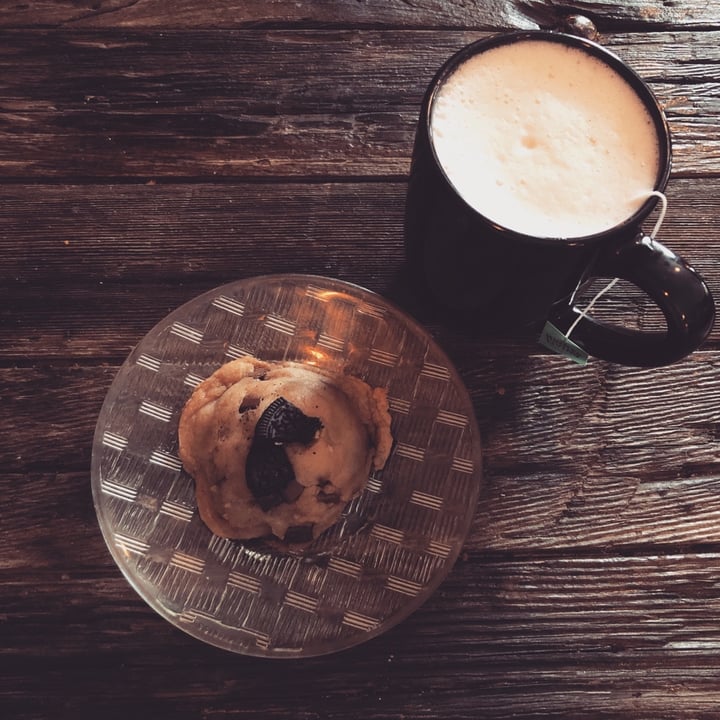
{"x": 152, "y": 150}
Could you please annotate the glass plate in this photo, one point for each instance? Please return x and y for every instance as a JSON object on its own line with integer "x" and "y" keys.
{"x": 394, "y": 544}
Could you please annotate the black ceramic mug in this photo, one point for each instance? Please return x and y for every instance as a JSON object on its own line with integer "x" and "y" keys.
{"x": 498, "y": 274}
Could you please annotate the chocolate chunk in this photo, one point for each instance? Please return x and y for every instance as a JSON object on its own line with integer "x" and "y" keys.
{"x": 299, "y": 534}
{"x": 283, "y": 422}
{"x": 267, "y": 469}
{"x": 250, "y": 402}
{"x": 293, "y": 491}
{"x": 332, "y": 498}
{"x": 267, "y": 502}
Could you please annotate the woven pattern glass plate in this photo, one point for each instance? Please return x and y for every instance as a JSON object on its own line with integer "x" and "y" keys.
{"x": 394, "y": 544}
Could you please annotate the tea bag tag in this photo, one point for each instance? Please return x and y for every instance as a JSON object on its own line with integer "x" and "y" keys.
{"x": 559, "y": 342}
{"x": 555, "y": 340}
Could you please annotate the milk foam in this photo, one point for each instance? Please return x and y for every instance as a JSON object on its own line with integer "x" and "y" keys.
{"x": 545, "y": 139}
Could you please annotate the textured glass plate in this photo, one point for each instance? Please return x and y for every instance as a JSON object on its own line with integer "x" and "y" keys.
{"x": 394, "y": 544}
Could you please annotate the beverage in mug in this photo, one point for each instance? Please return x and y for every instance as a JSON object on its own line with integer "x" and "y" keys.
{"x": 538, "y": 156}
{"x": 545, "y": 139}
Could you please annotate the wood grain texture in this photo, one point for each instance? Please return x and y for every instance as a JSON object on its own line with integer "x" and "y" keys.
{"x": 89, "y": 251}
{"x": 504, "y": 639}
{"x": 367, "y": 13}
{"x": 598, "y": 457}
{"x": 150, "y": 151}
{"x": 234, "y": 105}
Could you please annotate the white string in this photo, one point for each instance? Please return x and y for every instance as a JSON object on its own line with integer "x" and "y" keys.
{"x": 661, "y": 215}
{"x": 583, "y": 313}
{"x": 611, "y": 284}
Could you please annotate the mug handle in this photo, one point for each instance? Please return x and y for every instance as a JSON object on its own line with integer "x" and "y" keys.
{"x": 675, "y": 287}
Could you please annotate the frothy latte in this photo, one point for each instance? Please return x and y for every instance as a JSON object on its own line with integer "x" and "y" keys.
{"x": 545, "y": 139}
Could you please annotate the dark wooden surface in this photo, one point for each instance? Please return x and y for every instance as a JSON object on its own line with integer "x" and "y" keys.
{"x": 151, "y": 150}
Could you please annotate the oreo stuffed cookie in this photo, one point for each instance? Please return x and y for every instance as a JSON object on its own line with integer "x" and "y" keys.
{"x": 279, "y": 449}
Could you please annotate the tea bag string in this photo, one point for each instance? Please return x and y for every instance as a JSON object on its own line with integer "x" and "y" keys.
{"x": 611, "y": 284}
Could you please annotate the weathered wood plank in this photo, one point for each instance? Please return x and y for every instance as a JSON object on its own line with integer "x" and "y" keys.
{"x": 73, "y": 255}
{"x": 597, "y": 457}
{"x": 370, "y": 13}
{"x": 589, "y": 584}
{"x": 42, "y": 410}
{"x": 80, "y": 324}
{"x": 51, "y": 523}
{"x": 575, "y": 456}
{"x": 74, "y": 235}
{"x": 260, "y": 104}
{"x": 602, "y": 636}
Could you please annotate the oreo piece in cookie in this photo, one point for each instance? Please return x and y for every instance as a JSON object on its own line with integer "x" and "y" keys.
{"x": 268, "y": 470}
{"x": 282, "y": 422}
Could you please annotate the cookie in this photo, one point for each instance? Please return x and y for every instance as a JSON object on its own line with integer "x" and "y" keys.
{"x": 279, "y": 449}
